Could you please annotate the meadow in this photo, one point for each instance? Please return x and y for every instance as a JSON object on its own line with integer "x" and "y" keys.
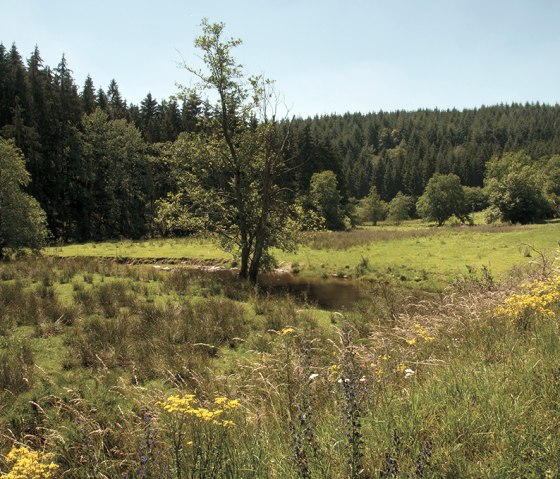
{"x": 121, "y": 370}
{"x": 416, "y": 255}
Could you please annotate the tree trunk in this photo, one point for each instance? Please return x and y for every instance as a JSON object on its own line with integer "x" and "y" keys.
{"x": 244, "y": 268}
{"x": 256, "y": 261}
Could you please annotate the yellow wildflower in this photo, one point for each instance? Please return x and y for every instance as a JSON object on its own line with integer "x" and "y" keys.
{"x": 287, "y": 330}
{"x": 411, "y": 341}
{"x": 540, "y": 299}
{"x": 27, "y": 464}
{"x": 187, "y": 405}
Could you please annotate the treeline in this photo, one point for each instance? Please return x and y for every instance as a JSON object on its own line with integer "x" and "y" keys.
{"x": 99, "y": 165}
{"x": 87, "y": 150}
{"x": 401, "y": 151}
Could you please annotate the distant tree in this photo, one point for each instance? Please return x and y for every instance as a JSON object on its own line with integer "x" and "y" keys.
{"x": 190, "y": 112}
{"x": 22, "y": 221}
{"x": 519, "y": 197}
{"x": 400, "y": 208}
{"x": 372, "y": 208}
{"x": 102, "y": 100}
{"x": 325, "y": 199}
{"x": 552, "y": 182}
{"x": 89, "y": 102}
{"x": 442, "y": 198}
{"x": 170, "y": 121}
{"x": 516, "y": 186}
{"x": 116, "y": 183}
{"x": 476, "y": 198}
{"x": 117, "y": 106}
{"x": 149, "y": 112}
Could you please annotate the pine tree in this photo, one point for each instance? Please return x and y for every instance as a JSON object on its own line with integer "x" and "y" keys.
{"x": 87, "y": 96}
{"x": 116, "y": 105}
{"x": 149, "y": 117}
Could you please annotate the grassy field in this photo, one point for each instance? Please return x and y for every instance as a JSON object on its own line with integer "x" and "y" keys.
{"x": 423, "y": 257}
{"x": 128, "y": 371}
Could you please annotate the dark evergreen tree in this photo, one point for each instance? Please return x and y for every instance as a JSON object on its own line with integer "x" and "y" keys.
{"x": 190, "y": 112}
{"x": 102, "y": 100}
{"x": 116, "y": 105}
{"x": 149, "y": 119}
{"x": 89, "y": 101}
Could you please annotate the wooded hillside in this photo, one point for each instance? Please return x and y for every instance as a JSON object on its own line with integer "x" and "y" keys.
{"x": 99, "y": 164}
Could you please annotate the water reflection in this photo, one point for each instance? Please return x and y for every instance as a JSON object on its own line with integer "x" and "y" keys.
{"x": 331, "y": 294}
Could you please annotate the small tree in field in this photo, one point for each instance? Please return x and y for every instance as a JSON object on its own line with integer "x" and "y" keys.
{"x": 232, "y": 169}
{"x": 518, "y": 187}
{"x": 22, "y": 221}
{"x": 372, "y": 207}
{"x": 443, "y": 197}
{"x": 400, "y": 207}
{"x": 325, "y": 199}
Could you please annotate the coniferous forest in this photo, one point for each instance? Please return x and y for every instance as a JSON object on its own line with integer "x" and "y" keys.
{"x": 99, "y": 164}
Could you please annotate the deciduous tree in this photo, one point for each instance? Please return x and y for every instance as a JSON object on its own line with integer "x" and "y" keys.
{"x": 372, "y": 208}
{"x": 233, "y": 167}
{"x": 22, "y": 221}
{"x": 442, "y": 198}
{"x": 325, "y": 199}
{"x": 400, "y": 208}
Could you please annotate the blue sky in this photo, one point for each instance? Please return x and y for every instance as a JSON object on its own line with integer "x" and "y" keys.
{"x": 326, "y": 55}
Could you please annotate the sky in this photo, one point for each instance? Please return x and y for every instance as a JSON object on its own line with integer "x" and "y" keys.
{"x": 326, "y": 56}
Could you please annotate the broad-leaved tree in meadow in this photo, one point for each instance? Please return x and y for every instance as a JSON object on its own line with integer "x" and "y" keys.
{"x": 232, "y": 169}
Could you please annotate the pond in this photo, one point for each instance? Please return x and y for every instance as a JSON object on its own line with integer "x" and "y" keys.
{"x": 331, "y": 294}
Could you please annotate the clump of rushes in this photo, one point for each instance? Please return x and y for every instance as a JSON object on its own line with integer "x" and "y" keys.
{"x": 27, "y": 464}
{"x": 200, "y": 437}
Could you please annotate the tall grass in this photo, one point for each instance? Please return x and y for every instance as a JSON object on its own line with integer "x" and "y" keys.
{"x": 405, "y": 385}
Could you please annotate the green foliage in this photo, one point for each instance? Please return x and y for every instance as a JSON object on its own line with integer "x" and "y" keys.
{"x": 372, "y": 208}
{"x": 476, "y": 199}
{"x": 400, "y": 208}
{"x": 22, "y": 221}
{"x": 41, "y": 109}
{"x": 117, "y": 178}
{"x": 552, "y": 182}
{"x": 516, "y": 187}
{"x": 442, "y": 198}
{"x": 231, "y": 170}
{"x": 325, "y": 199}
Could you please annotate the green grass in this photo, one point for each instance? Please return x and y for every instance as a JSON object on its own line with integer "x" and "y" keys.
{"x": 91, "y": 348}
{"x": 417, "y": 255}
{"x": 431, "y": 257}
{"x": 177, "y": 248}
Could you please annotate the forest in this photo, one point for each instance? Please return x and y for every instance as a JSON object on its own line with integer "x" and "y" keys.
{"x": 102, "y": 168}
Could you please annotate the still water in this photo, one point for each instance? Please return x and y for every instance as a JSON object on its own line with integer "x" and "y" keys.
{"x": 331, "y": 294}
